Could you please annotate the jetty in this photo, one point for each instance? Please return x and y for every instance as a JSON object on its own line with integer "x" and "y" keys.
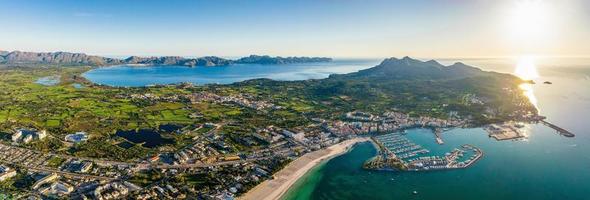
{"x": 559, "y": 130}
{"x": 437, "y": 132}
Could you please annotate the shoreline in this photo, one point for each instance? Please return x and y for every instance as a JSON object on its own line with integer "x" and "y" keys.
{"x": 283, "y": 180}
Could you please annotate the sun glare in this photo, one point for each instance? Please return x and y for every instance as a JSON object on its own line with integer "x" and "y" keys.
{"x": 530, "y": 21}
{"x": 526, "y": 69}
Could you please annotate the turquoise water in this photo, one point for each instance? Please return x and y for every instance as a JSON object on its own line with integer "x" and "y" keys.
{"x": 146, "y": 75}
{"x": 544, "y": 166}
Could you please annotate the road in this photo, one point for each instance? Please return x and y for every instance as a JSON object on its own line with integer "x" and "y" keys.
{"x": 69, "y": 174}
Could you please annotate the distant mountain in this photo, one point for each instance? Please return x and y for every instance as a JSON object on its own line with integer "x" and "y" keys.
{"x": 18, "y": 57}
{"x": 65, "y": 58}
{"x": 256, "y": 59}
{"x": 408, "y": 68}
{"x": 175, "y": 60}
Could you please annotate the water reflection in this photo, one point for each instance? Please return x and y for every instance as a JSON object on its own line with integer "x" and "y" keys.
{"x": 527, "y": 70}
{"x": 530, "y": 94}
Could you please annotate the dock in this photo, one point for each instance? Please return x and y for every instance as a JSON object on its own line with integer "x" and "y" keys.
{"x": 559, "y": 130}
{"x": 504, "y": 131}
{"x": 437, "y": 133}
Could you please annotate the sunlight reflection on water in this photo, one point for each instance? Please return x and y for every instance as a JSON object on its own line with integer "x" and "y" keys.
{"x": 527, "y": 70}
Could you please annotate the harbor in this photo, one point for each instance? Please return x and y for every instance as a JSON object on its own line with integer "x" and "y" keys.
{"x": 505, "y": 131}
{"x": 400, "y": 146}
{"x": 397, "y": 152}
{"x": 514, "y": 130}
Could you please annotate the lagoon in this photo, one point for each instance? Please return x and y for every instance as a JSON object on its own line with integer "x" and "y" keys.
{"x": 148, "y": 138}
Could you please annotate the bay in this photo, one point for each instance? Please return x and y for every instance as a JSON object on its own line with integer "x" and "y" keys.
{"x": 134, "y": 76}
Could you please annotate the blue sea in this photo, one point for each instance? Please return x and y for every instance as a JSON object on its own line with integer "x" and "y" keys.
{"x": 132, "y": 76}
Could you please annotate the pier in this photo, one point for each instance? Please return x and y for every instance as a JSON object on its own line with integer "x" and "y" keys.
{"x": 437, "y": 132}
{"x": 559, "y": 130}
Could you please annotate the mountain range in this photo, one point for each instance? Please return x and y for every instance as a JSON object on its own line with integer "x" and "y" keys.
{"x": 408, "y": 68}
{"x": 18, "y": 58}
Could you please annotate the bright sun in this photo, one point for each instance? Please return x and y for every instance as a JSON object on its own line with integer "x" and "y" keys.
{"x": 530, "y": 21}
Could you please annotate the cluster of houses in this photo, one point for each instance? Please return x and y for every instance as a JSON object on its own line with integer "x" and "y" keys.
{"x": 161, "y": 192}
{"x": 23, "y": 157}
{"x": 153, "y": 97}
{"x": 113, "y": 190}
{"x": 229, "y": 182}
{"x": 388, "y": 122}
{"x": 198, "y": 152}
{"x": 241, "y": 100}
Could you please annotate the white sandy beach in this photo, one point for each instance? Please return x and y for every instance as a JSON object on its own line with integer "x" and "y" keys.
{"x": 273, "y": 189}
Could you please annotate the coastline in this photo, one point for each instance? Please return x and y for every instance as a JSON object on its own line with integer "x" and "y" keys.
{"x": 275, "y": 188}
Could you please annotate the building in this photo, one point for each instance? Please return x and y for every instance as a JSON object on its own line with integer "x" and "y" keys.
{"x": 155, "y": 158}
{"x": 85, "y": 167}
{"x": 77, "y": 137}
{"x": 26, "y": 136}
{"x": 61, "y": 188}
{"x": 6, "y": 173}
{"x": 28, "y": 139}
{"x": 296, "y": 136}
{"x": 47, "y": 179}
{"x": 16, "y": 137}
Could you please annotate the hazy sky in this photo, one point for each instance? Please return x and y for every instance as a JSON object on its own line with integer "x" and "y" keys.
{"x": 338, "y": 28}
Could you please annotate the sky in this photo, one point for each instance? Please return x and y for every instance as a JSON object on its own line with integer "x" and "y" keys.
{"x": 335, "y": 28}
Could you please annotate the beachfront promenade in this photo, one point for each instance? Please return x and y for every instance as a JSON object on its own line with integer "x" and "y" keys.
{"x": 275, "y": 188}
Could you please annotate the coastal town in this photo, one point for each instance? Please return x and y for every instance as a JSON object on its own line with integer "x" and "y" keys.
{"x": 249, "y": 140}
{"x": 207, "y": 158}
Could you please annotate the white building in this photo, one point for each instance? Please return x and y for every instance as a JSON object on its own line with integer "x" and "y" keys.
{"x": 26, "y": 136}
{"x": 61, "y": 188}
{"x": 6, "y": 173}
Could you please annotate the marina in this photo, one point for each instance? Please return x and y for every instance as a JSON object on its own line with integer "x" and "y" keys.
{"x": 397, "y": 151}
{"x": 399, "y": 146}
